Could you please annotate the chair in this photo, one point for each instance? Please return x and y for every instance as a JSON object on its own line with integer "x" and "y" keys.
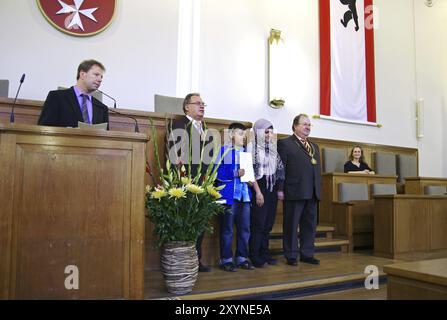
{"x": 165, "y": 104}
{"x": 353, "y": 215}
{"x": 379, "y": 189}
{"x": 4, "y": 88}
{"x": 333, "y": 160}
{"x": 385, "y": 163}
{"x": 406, "y": 167}
{"x": 435, "y": 190}
{"x": 352, "y": 192}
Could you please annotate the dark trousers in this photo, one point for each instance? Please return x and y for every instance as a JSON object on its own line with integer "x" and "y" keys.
{"x": 262, "y": 221}
{"x": 238, "y": 214}
{"x": 302, "y": 213}
{"x": 199, "y": 245}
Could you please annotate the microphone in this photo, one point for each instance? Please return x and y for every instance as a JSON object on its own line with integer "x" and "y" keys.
{"x": 114, "y": 101}
{"x": 11, "y": 116}
{"x": 137, "y": 129}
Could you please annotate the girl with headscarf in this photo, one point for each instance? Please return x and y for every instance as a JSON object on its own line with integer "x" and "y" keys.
{"x": 269, "y": 175}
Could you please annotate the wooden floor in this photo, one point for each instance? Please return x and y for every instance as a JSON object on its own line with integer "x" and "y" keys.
{"x": 335, "y": 267}
{"x": 354, "y": 294}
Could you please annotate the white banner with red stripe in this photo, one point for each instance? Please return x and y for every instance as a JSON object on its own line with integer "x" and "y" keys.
{"x": 347, "y": 77}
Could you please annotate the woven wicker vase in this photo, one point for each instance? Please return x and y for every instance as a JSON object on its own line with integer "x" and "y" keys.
{"x": 179, "y": 266}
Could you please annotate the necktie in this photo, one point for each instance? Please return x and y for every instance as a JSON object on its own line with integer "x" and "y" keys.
{"x": 307, "y": 146}
{"x": 84, "y": 109}
{"x": 198, "y": 125}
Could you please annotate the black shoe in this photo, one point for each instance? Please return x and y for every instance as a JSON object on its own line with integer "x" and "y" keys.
{"x": 292, "y": 262}
{"x": 228, "y": 267}
{"x": 203, "y": 268}
{"x": 258, "y": 264}
{"x": 246, "y": 265}
{"x": 310, "y": 260}
{"x": 272, "y": 261}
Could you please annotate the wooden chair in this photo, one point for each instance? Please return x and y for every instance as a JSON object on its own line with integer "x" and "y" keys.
{"x": 353, "y": 215}
{"x": 165, "y": 104}
{"x": 4, "y": 88}
{"x": 435, "y": 190}
{"x": 333, "y": 159}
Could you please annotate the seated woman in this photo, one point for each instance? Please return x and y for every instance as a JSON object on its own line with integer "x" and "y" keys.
{"x": 356, "y": 163}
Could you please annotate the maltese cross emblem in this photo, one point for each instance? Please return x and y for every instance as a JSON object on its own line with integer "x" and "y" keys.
{"x": 78, "y": 17}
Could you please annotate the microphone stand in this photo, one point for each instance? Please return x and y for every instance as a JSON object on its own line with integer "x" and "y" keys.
{"x": 11, "y": 116}
{"x": 137, "y": 129}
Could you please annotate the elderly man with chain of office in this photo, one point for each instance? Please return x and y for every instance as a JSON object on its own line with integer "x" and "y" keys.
{"x": 302, "y": 189}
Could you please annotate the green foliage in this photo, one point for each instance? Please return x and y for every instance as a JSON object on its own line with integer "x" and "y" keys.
{"x": 181, "y": 206}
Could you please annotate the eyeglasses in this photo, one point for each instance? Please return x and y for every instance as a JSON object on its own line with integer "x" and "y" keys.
{"x": 199, "y": 104}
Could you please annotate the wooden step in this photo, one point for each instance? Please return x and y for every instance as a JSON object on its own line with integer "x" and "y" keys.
{"x": 320, "y": 243}
{"x": 301, "y": 288}
{"x": 328, "y": 230}
{"x": 326, "y": 243}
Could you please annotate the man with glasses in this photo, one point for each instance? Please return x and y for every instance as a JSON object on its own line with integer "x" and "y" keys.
{"x": 190, "y": 129}
{"x": 302, "y": 189}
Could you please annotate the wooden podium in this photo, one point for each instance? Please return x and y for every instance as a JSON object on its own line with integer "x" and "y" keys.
{"x": 71, "y": 199}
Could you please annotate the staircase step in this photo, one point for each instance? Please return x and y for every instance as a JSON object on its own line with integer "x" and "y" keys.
{"x": 285, "y": 290}
{"x": 320, "y": 230}
{"x": 321, "y": 244}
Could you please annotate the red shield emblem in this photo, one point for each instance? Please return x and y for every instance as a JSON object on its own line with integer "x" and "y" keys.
{"x": 78, "y": 17}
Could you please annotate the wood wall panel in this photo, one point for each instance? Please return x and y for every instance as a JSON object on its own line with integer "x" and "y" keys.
{"x": 415, "y": 185}
{"x": 410, "y": 225}
{"x": 70, "y": 202}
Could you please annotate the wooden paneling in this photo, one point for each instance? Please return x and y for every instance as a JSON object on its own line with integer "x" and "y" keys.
{"x": 415, "y": 185}
{"x": 330, "y": 189}
{"x": 354, "y": 221}
{"x": 383, "y": 228}
{"x": 73, "y": 198}
{"x": 419, "y": 280}
{"x": 438, "y": 226}
{"x": 409, "y": 224}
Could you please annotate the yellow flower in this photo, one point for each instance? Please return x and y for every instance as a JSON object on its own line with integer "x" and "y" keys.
{"x": 185, "y": 180}
{"x": 194, "y": 189}
{"x": 220, "y": 187}
{"x": 177, "y": 193}
{"x": 159, "y": 193}
{"x": 213, "y": 192}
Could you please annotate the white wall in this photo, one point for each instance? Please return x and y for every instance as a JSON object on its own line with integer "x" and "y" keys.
{"x": 444, "y": 126}
{"x": 139, "y": 51}
{"x": 234, "y": 77}
{"x": 430, "y": 57}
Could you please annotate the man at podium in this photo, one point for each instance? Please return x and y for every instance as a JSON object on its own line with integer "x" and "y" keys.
{"x": 64, "y": 108}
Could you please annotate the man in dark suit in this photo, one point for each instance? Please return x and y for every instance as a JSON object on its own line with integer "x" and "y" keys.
{"x": 64, "y": 108}
{"x": 302, "y": 189}
{"x": 187, "y": 129}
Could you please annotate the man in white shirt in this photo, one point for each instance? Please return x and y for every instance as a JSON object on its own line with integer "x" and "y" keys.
{"x": 191, "y": 122}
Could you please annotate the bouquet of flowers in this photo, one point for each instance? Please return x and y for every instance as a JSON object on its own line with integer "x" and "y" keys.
{"x": 181, "y": 206}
